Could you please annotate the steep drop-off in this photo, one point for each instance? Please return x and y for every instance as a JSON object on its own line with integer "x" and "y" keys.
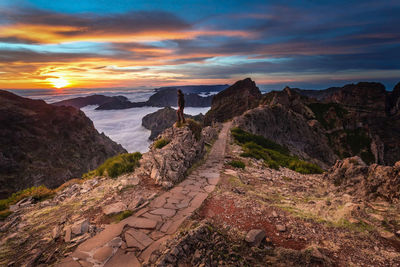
{"x": 42, "y": 144}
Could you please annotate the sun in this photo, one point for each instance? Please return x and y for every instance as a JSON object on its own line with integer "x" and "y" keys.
{"x": 58, "y": 82}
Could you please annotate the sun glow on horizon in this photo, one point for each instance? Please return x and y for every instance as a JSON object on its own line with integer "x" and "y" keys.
{"x": 58, "y": 82}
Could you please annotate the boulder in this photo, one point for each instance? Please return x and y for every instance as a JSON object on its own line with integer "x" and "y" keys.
{"x": 255, "y": 236}
{"x": 80, "y": 227}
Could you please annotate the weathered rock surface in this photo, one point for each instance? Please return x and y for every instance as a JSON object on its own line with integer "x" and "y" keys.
{"x": 168, "y": 165}
{"x": 162, "y": 119}
{"x": 233, "y": 101}
{"x": 42, "y": 144}
{"x": 356, "y": 178}
{"x": 291, "y": 129}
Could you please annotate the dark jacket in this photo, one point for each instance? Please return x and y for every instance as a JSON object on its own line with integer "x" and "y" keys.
{"x": 181, "y": 101}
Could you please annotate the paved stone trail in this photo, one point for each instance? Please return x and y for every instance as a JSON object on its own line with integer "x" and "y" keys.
{"x": 148, "y": 228}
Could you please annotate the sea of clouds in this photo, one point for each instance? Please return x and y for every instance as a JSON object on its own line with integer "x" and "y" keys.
{"x": 122, "y": 126}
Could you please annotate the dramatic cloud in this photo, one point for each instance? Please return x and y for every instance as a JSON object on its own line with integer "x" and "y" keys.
{"x": 139, "y": 44}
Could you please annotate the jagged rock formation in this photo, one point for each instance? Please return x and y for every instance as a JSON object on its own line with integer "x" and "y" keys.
{"x": 162, "y": 119}
{"x": 168, "y": 165}
{"x": 233, "y": 101}
{"x": 81, "y": 102}
{"x": 291, "y": 129}
{"x": 42, "y": 144}
{"x": 354, "y": 177}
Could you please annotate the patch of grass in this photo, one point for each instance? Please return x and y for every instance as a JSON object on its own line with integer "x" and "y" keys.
{"x": 273, "y": 154}
{"x": 195, "y": 127}
{"x": 237, "y": 164}
{"x": 115, "y": 166}
{"x": 38, "y": 193}
{"x": 4, "y": 214}
{"x": 160, "y": 143}
{"x": 243, "y": 137}
{"x": 120, "y": 216}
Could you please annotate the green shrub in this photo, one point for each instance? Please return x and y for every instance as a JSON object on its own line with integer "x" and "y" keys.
{"x": 273, "y": 154}
{"x": 320, "y": 110}
{"x": 304, "y": 167}
{"x": 195, "y": 127}
{"x": 243, "y": 137}
{"x": 122, "y": 215}
{"x": 38, "y": 193}
{"x": 117, "y": 165}
{"x": 4, "y": 214}
{"x": 237, "y": 164}
{"x": 160, "y": 143}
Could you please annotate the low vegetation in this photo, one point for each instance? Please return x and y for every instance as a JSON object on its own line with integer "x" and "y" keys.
{"x": 160, "y": 143}
{"x": 195, "y": 127}
{"x": 273, "y": 154}
{"x": 321, "y": 109}
{"x": 115, "y": 166}
{"x": 120, "y": 216}
{"x": 38, "y": 193}
{"x": 237, "y": 164}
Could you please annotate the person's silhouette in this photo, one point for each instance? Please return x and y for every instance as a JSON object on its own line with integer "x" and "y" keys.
{"x": 181, "y": 106}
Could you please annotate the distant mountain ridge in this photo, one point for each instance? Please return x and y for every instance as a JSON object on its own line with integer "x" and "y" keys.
{"x": 42, "y": 144}
{"x": 164, "y": 97}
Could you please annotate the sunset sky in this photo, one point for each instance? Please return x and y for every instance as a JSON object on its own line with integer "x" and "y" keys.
{"x": 130, "y": 43}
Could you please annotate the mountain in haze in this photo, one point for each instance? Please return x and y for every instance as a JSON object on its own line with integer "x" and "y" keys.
{"x": 164, "y": 97}
{"x": 42, "y": 144}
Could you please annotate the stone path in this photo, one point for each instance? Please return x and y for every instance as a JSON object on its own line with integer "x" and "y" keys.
{"x": 132, "y": 241}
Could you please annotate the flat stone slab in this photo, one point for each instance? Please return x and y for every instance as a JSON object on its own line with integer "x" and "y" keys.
{"x": 198, "y": 200}
{"x": 140, "y": 236}
{"x": 132, "y": 242}
{"x": 102, "y": 254}
{"x": 142, "y": 223}
{"x": 121, "y": 259}
{"x": 164, "y": 212}
{"x": 102, "y": 238}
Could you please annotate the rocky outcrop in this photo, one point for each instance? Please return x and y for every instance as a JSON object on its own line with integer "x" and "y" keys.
{"x": 42, "y": 144}
{"x": 162, "y": 119}
{"x": 168, "y": 165}
{"x": 233, "y": 101}
{"x": 291, "y": 129}
{"x": 354, "y": 177}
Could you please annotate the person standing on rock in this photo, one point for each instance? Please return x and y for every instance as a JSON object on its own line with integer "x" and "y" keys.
{"x": 181, "y": 106}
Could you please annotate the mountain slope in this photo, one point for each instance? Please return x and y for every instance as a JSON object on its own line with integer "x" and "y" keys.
{"x": 46, "y": 144}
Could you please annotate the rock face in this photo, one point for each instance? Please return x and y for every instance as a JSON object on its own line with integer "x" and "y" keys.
{"x": 42, "y": 144}
{"x": 356, "y": 178}
{"x": 162, "y": 119}
{"x": 233, "y": 101}
{"x": 291, "y": 129}
{"x": 168, "y": 165}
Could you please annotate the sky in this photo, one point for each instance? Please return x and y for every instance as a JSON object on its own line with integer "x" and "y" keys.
{"x": 310, "y": 44}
